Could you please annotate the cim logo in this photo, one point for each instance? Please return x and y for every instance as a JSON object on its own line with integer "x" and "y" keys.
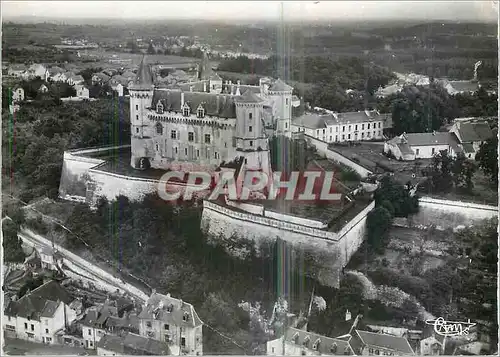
{"x": 305, "y": 186}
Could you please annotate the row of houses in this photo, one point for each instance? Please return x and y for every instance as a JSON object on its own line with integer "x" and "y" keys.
{"x": 464, "y": 137}
{"x": 51, "y": 315}
{"x": 54, "y": 74}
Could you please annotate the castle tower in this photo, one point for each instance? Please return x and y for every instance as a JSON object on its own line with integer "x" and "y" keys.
{"x": 251, "y": 141}
{"x": 205, "y": 68}
{"x": 281, "y": 93}
{"x": 141, "y": 94}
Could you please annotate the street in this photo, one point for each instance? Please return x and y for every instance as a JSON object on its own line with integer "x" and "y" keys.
{"x": 16, "y": 347}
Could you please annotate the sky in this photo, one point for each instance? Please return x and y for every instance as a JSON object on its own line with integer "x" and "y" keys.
{"x": 479, "y": 10}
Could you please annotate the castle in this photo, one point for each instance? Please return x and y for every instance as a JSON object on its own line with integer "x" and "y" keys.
{"x": 205, "y": 123}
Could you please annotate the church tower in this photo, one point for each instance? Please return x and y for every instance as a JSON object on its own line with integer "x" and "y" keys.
{"x": 251, "y": 140}
{"x": 141, "y": 95}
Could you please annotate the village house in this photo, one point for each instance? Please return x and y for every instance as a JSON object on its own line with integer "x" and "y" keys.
{"x": 408, "y": 147}
{"x": 18, "y": 70}
{"x": 74, "y": 79}
{"x": 41, "y": 314}
{"x": 17, "y": 94}
{"x": 100, "y": 78}
{"x": 341, "y": 127}
{"x": 460, "y": 87}
{"x": 43, "y": 89}
{"x": 471, "y": 135}
{"x": 55, "y": 73}
{"x": 60, "y": 77}
{"x": 174, "y": 322}
{"x": 81, "y": 91}
{"x": 433, "y": 345}
{"x": 38, "y": 70}
{"x": 94, "y": 323}
{"x": 383, "y": 344}
{"x": 131, "y": 344}
{"x": 50, "y": 259}
{"x": 298, "y": 342}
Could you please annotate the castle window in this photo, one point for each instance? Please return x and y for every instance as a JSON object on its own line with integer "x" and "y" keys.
{"x": 166, "y": 327}
{"x": 343, "y": 137}
{"x": 136, "y": 117}
{"x": 330, "y": 130}
{"x": 348, "y": 136}
{"x": 201, "y": 112}
{"x": 286, "y": 101}
{"x": 225, "y": 145}
{"x": 159, "y": 108}
{"x": 379, "y": 125}
{"x": 349, "y": 128}
{"x": 207, "y": 138}
{"x": 377, "y": 352}
{"x": 374, "y": 133}
{"x": 251, "y": 143}
{"x": 216, "y": 155}
{"x": 137, "y": 130}
{"x": 136, "y": 107}
{"x": 323, "y": 131}
{"x": 249, "y": 115}
{"x": 305, "y": 343}
{"x": 356, "y": 127}
{"x": 333, "y": 348}
{"x": 190, "y": 136}
{"x": 197, "y": 153}
{"x": 362, "y": 135}
{"x": 368, "y": 134}
{"x": 167, "y": 338}
{"x": 183, "y": 341}
{"x": 186, "y": 110}
{"x": 170, "y": 308}
{"x": 173, "y": 134}
{"x": 286, "y": 125}
{"x": 250, "y": 129}
{"x": 159, "y": 129}
{"x": 368, "y": 126}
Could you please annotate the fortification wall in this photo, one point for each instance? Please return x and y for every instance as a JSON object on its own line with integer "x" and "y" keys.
{"x": 446, "y": 214}
{"x": 320, "y": 253}
{"x": 322, "y": 147}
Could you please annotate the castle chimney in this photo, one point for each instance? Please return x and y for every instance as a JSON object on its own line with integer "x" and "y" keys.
{"x": 238, "y": 88}
{"x": 190, "y": 88}
{"x": 204, "y": 86}
{"x": 218, "y": 104}
{"x": 182, "y": 104}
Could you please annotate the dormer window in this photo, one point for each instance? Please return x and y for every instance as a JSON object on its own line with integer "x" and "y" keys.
{"x": 200, "y": 112}
{"x": 316, "y": 344}
{"x": 333, "y": 348}
{"x": 159, "y": 108}
{"x": 295, "y": 338}
{"x": 186, "y": 110}
{"x": 170, "y": 308}
{"x": 306, "y": 341}
{"x": 159, "y": 129}
{"x": 185, "y": 317}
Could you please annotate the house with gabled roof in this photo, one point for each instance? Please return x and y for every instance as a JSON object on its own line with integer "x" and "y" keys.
{"x": 373, "y": 343}
{"x": 173, "y": 321}
{"x": 94, "y": 323}
{"x": 17, "y": 94}
{"x": 471, "y": 135}
{"x": 40, "y": 315}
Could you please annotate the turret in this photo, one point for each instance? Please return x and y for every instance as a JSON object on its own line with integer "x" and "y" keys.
{"x": 281, "y": 93}
{"x": 141, "y": 94}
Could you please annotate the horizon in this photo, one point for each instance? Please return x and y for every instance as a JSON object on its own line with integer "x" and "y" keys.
{"x": 304, "y": 11}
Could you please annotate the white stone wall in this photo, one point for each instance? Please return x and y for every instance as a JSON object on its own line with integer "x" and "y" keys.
{"x": 427, "y": 152}
{"x": 331, "y": 250}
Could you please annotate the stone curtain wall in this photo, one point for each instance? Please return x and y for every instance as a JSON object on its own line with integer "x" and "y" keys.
{"x": 322, "y": 147}
{"x": 326, "y": 252}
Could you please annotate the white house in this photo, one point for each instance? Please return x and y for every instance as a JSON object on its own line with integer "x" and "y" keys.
{"x": 55, "y": 73}
{"x": 17, "y": 94}
{"x": 172, "y": 320}
{"x": 18, "y": 70}
{"x": 341, "y": 127}
{"x": 40, "y": 314}
{"x": 49, "y": 258}
{"x": 94, "y": 324}
{"x": 407, "y": 147}
{"x": 73, "y": 79}
{"x": 82, "y": 91}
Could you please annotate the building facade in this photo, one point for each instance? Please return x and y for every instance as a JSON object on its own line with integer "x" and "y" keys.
{"x": 174, "y": 322}
{"x": 341, "y": 127}
{"x": 205, "y": 123}
{"x": 408, "y": 147}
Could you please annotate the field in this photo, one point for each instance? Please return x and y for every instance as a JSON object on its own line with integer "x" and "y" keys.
{"x": 134, "y": 59}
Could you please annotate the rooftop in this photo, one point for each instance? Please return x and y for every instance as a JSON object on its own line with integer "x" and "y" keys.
{"x": 322, "y": 344}
{"x": 132, "y": 344}
{"x": 372, "y": 339}
{"x": 471, "y": 132}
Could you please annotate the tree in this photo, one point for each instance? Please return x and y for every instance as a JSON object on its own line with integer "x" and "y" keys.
{"x": 378, "y": 224}
{"x": 399, "y": 197}
{"x": 12, "y": 245}
{"x": 151, "y": 49}
{"x": 487, "y": 157}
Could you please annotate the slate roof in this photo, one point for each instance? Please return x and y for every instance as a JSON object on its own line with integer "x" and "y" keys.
{"x": 77, "y": 78}
{"x": 171, "y": 100}
{"x": 232, "y": 88}
{"x": 464, "y": 86}
{"x": 248, "y": 97}
{"x": 132, "y": 344}
{"x": 144, "y": 76}
{"x": 157, "y": 309}
{"x": 102, "y": 76}
{"x": 374, "y": 340}
{"x": 324, "y": 344}
{"x": 359, "y": 117}
{"x": 98, "y": 317}
{"x": 312, "y": 120}
{"x": 428, "y": 139}
{"x": 280, "y": 86}
{"x": 41, "y": 302}
{"x": 471, "y": 132}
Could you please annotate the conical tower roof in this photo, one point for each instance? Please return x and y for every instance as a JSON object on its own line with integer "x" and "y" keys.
{"x": 249, "y": 97}
{"x": 144, "y": 76}
{"x": 280, "y": 86}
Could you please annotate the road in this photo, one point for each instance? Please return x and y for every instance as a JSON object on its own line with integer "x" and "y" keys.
{"x": 92, "y": 270}
{"x": 16, "y": 347}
